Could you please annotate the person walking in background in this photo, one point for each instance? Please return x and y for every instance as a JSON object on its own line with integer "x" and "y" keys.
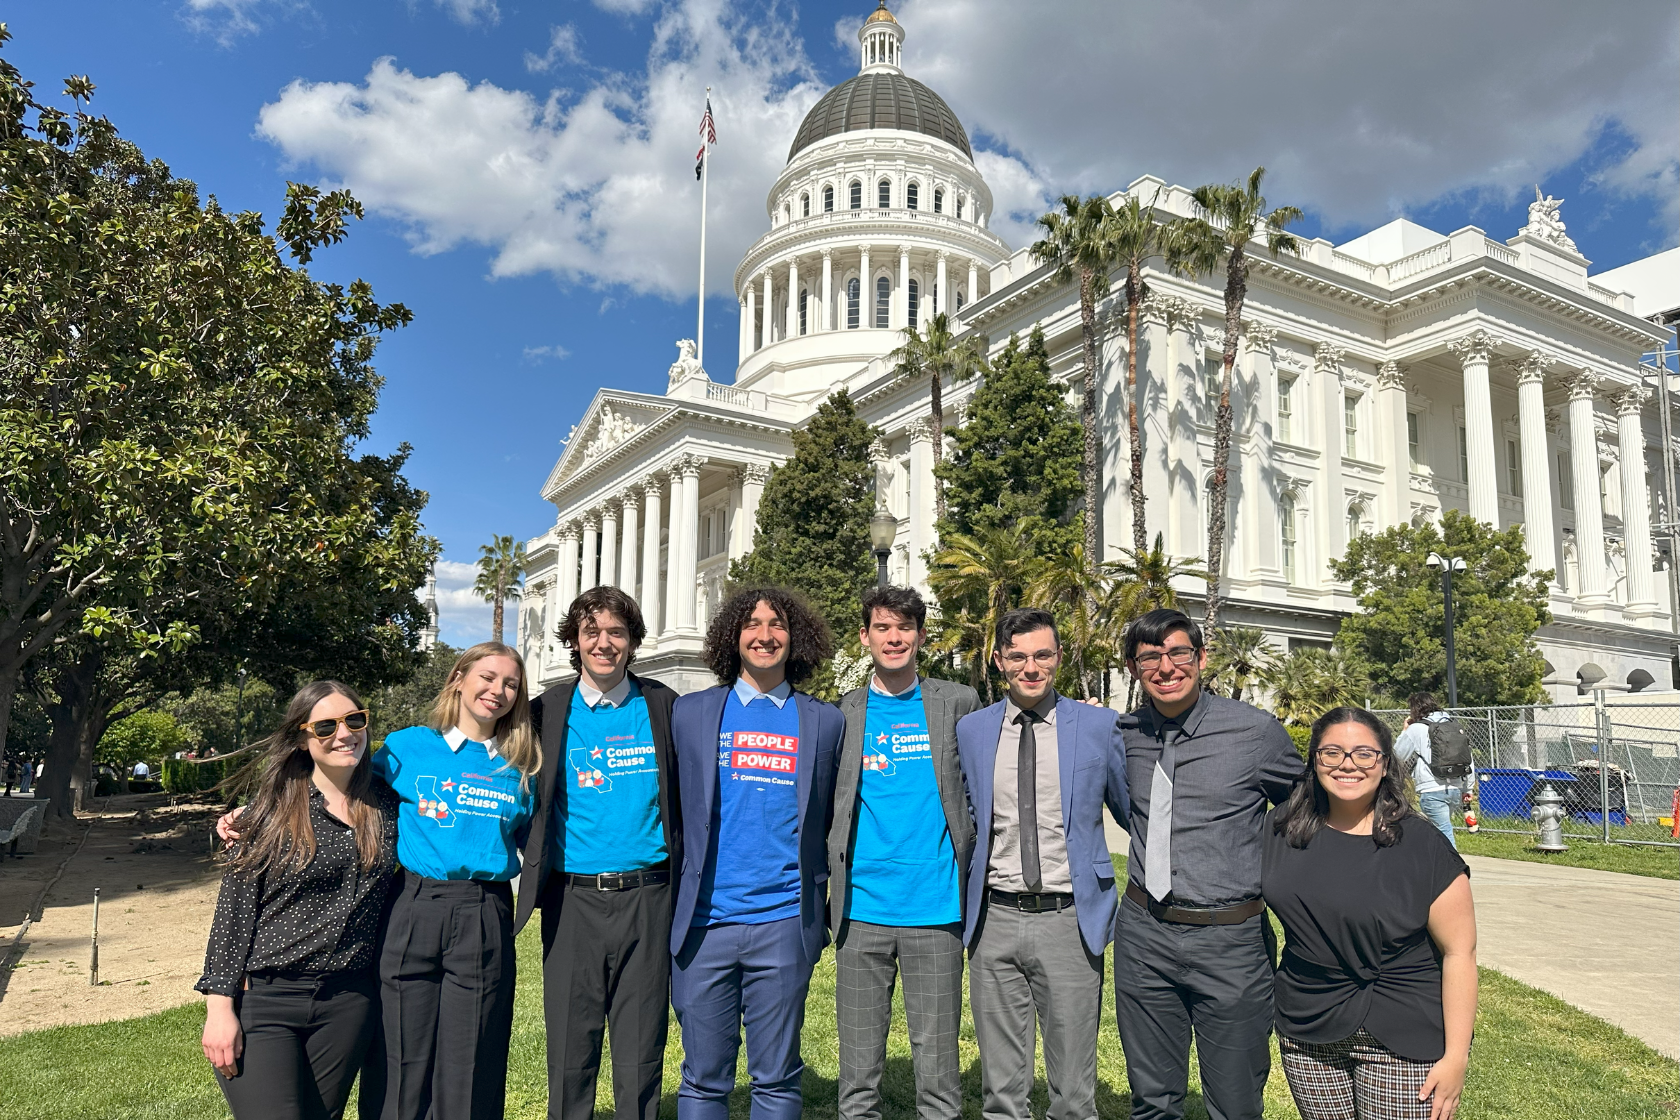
{"x": 1414, "y": 755}
{"x": 756, "y": 764}
{"x": 291, "y": 989}
{"x": 1041, "y": 900}
{"x": 1376, "y": 992}
{"x": 1193, "y": 953}
{"x": 898, "y": 854}
{"x": 604, "y": 837}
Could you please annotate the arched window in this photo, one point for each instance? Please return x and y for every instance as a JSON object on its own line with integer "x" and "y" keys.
{"x": 1355, "y": 520}
{"x": 938, "y": 201}
{"x": 915, "y": 302}
{"x": 852, "y": 295}
{"x": 912, "y": 194}
{"x": 959, "y": 300}
{"x": 828, "y": 200}
{"x": 804, "y": 310}
{"x": 883, "y": 301}
{"x": 883, "y": 194}
{"x": 959, "y": 207}
{"x": 1286, "y": 516}
{"x": 857, "y": 195}
{"x": 804, "y": 206}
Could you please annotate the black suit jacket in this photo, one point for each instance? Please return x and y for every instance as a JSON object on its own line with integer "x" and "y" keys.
{"x": 548, "y": 716}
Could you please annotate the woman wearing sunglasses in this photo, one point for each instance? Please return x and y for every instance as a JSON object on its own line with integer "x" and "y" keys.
{"x": 292, "y": 995}
{"x": 447, "y": 968}
{"x": 1376, "y": 992}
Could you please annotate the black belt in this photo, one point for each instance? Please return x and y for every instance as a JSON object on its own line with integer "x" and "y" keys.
{"x": 1233, "y": 914}
{"x": 1032, "y": 903}
{"x": 618, "y": 880}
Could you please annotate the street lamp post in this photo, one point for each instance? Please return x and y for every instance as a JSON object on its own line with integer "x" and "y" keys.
{"x": 883, "y": 530}
{"x": 239, "y": 712}
{"x": 1447, "y": 566}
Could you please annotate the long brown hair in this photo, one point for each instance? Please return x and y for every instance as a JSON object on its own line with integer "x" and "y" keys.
{"x": 1309, "y": 806}
{"x": 515, "y": 741}
{"x": 276, "y": 833}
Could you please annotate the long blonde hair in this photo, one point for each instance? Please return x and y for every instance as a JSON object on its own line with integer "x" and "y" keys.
{"x": 515, "y": 741}
{"x": 277, "y": 833}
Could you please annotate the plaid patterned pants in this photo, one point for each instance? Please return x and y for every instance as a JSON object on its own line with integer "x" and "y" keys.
{"x": 1357, "y": 1078}
{"x": 868, "y": 960}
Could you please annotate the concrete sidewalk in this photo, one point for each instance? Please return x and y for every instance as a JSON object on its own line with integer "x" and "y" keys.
{"x": 1606, "y": 942}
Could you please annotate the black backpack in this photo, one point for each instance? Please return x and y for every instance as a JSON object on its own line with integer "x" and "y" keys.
{"x": 1449, "y": 750}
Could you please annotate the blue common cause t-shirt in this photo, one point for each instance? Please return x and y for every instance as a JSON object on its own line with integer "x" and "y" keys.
{"x": 904, "y": 869}
{"x": 609, "y": 818}
{"x": 464, "y": 814}
{"x": 751, "y": 875}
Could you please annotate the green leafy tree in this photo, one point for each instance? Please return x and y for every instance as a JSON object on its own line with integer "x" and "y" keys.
{"x": 408, "y": 703}
{"x": 813, "y": 519}
{"x": 1015, "y": 458}
{"x": 146, "y": 736}
{"x": 984, "y": 574}
{"x": 1397, "y": 638}
{"x": 1232, "y": 216}
{"x": 1239, "y": 660}
{"x": 501, "y": 565}
{"x": 1309, "y": 682}
{"x": 936, "y": 356}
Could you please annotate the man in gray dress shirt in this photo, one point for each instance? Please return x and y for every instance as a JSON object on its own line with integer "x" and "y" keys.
{"x": 1193, "y": 951}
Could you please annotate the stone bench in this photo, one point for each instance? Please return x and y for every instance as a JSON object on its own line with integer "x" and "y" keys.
{"x": 21, "y": 819}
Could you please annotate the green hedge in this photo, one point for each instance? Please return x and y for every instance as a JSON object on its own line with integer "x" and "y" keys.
{"x": 182, "y": 775}
{"x": 1302, "y": 737}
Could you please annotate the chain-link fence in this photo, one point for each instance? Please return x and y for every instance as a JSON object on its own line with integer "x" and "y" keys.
{"x": 1616, "y": 763}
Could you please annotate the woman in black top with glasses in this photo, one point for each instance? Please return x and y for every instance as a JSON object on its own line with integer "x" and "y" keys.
{"x": 1375, "y": 997}
{"x": 292, "y": 995}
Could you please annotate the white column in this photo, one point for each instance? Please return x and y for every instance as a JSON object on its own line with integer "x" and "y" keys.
{"x": 921, "y": 499}
{"x": 743, "y": 339}
{"x": 1636, "y": 503}
{"x": 827, "y": 291}
{"x": 866, "y": 290}
{"x": 609, "y": 546}
{"x": 973, "y": 280}
{"x": 1257, "y": 515}
{"x": 631, "y": 499}
{"x": 547, "y": 643}
{"x": 940, "y": 295}
{"x": 568, "y": 566}
{"x": 591, "y": 544}
{"x": 1391, "y": 411}
{"x": 685, "y": 535}
{"x": 793, "y": 300}
{"x": 1473, "y": 351}
{"x": 752, "y": 320}
{"x": 1589, "y": 510}
{"x": 769, "y": 309}
{"x": 673, "y": 553}
{"x": 753, "y": 478}
{"x": 1332, "y": 523}
{"x": 652, "y": 497}
{"x": 1536, "y": 468}
{"x": 901, "y": 300}
{"x": 1172, "y": 455}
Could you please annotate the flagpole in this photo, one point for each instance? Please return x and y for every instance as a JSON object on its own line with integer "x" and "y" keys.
{"x": 705, "y": 171}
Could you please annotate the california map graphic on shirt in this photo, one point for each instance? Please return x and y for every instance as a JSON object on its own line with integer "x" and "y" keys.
{"x": 909, "y": 742}
{"x": 586, "y": 763}
{"x": 616, "y": 755}
{"x": 431, "y": 803}
{"x": 878, "y": 760}
{"x": 440, "y": 800}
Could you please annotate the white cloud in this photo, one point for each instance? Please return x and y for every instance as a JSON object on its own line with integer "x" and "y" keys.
{"x": 227, "y": 20}
{"x": 469, "y": 12}
{"x": 625, "y": 7}
{"x": 563, "y": 46}
{"x": 463, "y": 617}
{"x": 555, "y": 352}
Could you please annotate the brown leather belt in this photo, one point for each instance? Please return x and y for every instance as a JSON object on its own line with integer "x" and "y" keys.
{"x": 1234, "y": 914}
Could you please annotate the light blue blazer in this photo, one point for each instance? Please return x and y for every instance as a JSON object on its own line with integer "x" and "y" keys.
{"x": 1093, "y": 773}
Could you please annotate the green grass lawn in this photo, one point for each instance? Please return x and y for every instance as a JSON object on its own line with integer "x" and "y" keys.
{"x": 1535, "y": 1057}
{"x": 1659, "y": 863}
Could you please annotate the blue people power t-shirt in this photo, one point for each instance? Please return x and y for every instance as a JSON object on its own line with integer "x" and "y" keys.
{"x": 752, "y": 871}
{"x": 464, "y": 814}
{"x": 609, "y": 818}
{"x": 904, "y": 870}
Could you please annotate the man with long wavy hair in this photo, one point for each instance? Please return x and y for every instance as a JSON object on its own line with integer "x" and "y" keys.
{"x": 756, "y": 763}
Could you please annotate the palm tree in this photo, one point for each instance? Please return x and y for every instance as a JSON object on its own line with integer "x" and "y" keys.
{"x": 936, "y": 355}
{"x": 1064, "y": 584}
{"x": 1240, "y": 660}
{"x": 981, "y": 572}
{"x": 1079, "y": 244}
{"x": 501, "y": 565}
{"x": 1309, "y": 682}
{"x": 1231, "y": 216}
{"x": 1143, "y": 580}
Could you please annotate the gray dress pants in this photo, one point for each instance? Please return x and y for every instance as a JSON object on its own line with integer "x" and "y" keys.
{"x": 868, "y": 959}
{"x": 1026, "y": 967}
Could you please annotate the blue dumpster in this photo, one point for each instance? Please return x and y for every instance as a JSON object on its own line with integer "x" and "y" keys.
{"x": 1507, "y": 792}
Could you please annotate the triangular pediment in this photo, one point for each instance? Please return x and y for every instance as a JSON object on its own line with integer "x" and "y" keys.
{"x": 612, "y": 419}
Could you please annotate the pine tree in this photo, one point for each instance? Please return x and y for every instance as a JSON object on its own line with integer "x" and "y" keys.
{"x": 813, "y": 520}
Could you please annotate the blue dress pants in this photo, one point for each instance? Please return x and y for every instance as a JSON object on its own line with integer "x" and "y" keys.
{"x": 727, "y": 977}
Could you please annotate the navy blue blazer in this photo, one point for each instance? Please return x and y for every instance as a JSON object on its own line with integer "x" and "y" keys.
{"x": 696, "y": 722}
{"x": 1092, "y": 753}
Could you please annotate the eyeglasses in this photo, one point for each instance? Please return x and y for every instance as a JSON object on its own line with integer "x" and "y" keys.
{"x": 327, "y": 728}
{"x": 1044, "y": 658}
{"x": 1363, "y": 757}
{"x": 1180, "y": 655}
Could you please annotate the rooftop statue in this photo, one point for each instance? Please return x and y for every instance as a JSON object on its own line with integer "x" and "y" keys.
{"x": 1545, "y": 223}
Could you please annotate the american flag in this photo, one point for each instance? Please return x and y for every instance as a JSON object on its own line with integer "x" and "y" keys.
{"x": 708, "y": 135}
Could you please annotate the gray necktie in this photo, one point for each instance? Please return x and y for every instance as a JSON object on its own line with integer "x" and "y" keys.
{"x": 1026, "y": 776}
{"x": 1157, "y": 852}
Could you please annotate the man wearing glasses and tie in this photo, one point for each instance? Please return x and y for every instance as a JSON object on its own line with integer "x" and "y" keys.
{"x": 1193, "y": 952}
{"x": 1040, "y": 893}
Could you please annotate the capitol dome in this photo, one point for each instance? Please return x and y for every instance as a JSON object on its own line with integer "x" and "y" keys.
{"x": 881, "y": 99}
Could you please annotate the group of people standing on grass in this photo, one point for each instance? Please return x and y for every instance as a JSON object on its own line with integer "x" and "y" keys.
{"x": 698, "y": 853}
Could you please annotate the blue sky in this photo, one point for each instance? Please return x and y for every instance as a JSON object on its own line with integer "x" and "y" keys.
{"x": 528, "y": 167}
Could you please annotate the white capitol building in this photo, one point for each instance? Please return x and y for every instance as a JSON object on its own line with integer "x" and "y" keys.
{"x": 1380, "y": 381}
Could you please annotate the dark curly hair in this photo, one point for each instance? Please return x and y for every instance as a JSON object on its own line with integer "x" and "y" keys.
{"x": 1308, "y": 805}
{"x": 603, "y": 599}
{"x": 809, "y": 641}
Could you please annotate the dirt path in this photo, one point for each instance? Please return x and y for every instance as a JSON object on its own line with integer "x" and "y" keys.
{"x": 151, "y": 862}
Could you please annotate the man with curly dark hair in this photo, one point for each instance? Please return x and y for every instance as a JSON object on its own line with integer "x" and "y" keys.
{"x": 756, "y": 763}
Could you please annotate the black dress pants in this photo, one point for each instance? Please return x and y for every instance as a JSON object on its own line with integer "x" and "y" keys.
{"x": 606, "y": 956}
{"x": 446, "y": 981}
{"x": 304, "y": 1041}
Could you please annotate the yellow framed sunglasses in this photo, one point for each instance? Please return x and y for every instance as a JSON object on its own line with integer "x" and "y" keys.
{"x": 327, "y": 728}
